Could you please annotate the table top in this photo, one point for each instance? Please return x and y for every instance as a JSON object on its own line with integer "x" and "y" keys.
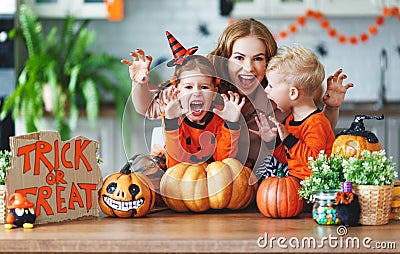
{"x": 213, "y": 231}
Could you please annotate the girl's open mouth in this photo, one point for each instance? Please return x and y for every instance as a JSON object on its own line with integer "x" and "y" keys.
{"x": 196, "y": 108}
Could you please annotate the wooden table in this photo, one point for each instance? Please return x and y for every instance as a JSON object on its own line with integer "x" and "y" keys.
{"x": 214, "y": 231}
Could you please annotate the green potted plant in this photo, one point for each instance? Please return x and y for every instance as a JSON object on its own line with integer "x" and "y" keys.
{"x": 373, "y": 175}
{"x": 62, "y": 76}
{"x": 326, "y": 174}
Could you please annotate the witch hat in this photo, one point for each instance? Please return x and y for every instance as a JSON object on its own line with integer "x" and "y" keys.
{"x": 179, "y": 52}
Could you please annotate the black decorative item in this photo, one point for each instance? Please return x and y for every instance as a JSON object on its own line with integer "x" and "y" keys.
{"x": 348, "y": 206}
{"x": 203, "y": 29}
{"x": 321, "y": 49}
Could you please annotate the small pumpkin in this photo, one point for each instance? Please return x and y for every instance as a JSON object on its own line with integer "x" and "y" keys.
{"x": 126, "y": 194}
{"x": 278, "y": 197}
{"x": 199, "y": 187}
{"x": 352, "y": 141}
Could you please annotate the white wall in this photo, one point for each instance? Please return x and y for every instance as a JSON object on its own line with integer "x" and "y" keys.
{"x": 145, "y": 23}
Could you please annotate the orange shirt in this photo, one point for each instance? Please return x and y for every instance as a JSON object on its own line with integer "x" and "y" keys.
{"x": 190, "y": 142}
{"x": 306, "y": 139}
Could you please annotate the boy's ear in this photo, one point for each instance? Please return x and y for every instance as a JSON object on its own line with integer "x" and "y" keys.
{"x": 294, "y": 93}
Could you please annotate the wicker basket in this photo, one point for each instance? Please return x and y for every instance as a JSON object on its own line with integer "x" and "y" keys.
{"x": 3, "y": 204}
{"x": 375, "y": 202}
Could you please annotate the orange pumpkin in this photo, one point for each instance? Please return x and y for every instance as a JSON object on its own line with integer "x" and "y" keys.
{"x": 356, "y": 139}
{"x": 199, "y": 187}
{"x": 125, "y": 194}
{"x": 278, "y": 197}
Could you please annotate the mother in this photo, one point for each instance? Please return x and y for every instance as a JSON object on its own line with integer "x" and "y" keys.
{"x": 248, "y": 45}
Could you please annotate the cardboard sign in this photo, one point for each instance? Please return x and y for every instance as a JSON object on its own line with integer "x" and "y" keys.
{"x": 60, "y": 177}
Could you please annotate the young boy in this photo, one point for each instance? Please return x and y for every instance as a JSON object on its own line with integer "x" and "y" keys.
{"x": 293, "y": 74}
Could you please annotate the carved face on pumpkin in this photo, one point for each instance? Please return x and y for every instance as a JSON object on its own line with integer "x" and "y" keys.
{"x": 350, "y": 145}
{"x": 126, "y": 195}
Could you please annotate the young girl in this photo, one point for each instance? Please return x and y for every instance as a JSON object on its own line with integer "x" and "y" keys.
{"x": 195, "y": 131}
{"x": 248, "y": 45}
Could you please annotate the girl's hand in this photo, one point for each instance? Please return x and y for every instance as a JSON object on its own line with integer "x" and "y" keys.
{"x": 172, "y": 106}
{"x": 139, "y": 68}
{"x": 264, "y": 129}
{"x": 232, "y": 108}
{"x": 282, "y": 131}
{"x": 335, "y": 91}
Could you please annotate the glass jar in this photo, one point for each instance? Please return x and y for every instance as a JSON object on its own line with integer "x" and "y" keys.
{"x": 324, "y": 209}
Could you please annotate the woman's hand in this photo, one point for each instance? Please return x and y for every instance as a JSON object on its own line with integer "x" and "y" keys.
{"x": 265, "y": 132}
{"x": 139, "y": 68}
{"x": 232, "y": 107}
{"x": 335, "y": 91}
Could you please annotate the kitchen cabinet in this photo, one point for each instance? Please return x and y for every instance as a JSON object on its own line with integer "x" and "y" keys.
{"x": 94, "y": 9}
{"x": 273, "y": 8}
{"x": 293, "y": 8}
{"x": 350, "y": 8}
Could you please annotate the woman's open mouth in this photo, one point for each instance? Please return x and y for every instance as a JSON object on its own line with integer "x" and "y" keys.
{"x": 246, "y": 81}
{"x": 196, "y": 108}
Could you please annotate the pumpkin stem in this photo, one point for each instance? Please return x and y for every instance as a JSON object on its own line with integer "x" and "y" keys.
{"x": 280, "y": 173}
{"x": 126, "y": 169}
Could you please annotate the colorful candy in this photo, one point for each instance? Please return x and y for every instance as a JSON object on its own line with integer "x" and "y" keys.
{"x": 325, "y": 214}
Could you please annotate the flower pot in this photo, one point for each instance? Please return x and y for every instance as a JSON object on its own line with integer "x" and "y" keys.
{"x": 375, "y": 202}
{"x": 3, "y": 204}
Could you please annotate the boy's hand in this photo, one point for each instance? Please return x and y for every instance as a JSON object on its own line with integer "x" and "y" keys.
{"x": 282, "y": 131}
{"x": 173, "y": 108}
{"x": 335, "y": 91}
{"x": 139, "y": 68}
{"x": 232, "y": 108}
{"x": 264, "y": 129}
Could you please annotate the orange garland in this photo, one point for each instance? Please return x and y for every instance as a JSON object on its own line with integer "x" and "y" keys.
{"x": 333, "y": 32}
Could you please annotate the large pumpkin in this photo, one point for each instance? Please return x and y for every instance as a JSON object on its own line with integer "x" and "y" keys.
{"x": 199, "y": 187}
{"x": 126, "y": 194}
{"x": 352, "y": 141}
{"x": 278, "y": 197}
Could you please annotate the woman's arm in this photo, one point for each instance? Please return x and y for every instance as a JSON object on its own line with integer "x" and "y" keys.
{"x": 334, "y": 96}
{"x": 139, "y": 68}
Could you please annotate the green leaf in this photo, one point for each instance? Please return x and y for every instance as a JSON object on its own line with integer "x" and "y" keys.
{"x": 92, "y": 101}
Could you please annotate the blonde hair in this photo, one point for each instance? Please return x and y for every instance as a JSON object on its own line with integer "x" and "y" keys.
{"x": 300, "y": 66}
{"x": 239, "y": 29}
